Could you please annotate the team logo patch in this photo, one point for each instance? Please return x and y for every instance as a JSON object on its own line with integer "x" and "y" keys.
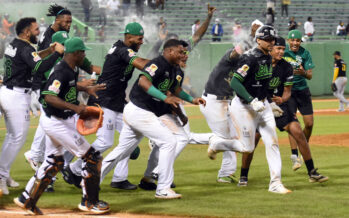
{"x": 243, "y": 70}
{"x": 131, "y": 53}
{"x": 55, "y": 86}
{"x": 179, "y": 78}
{"x": 151, "y": 69}
{"x": 36, "y": 57}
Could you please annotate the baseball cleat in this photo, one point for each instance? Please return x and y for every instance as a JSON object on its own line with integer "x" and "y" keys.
{"x": 314, "y": 176}
{"x": 11, "y": 183}
{"x": 296, "y": 161}
{"x": 147, "y": 184}
{"x": 125, "y": 185}
{"x": 50, "y": 187}
{"x": 32, "y": 211}
{"x": 279, "y": 189}
{"x": 341, "y": 110}
{"x": 33, "y": 164}
{"x": 3, "y": 186}
{"x": 100, "y": 207}
{"x": 167, "y": 194}
{"x": 227, "y": 179}
{"x": 242, "y": 181}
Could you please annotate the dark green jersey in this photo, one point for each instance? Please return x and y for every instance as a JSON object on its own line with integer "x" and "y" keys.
{"x": 301, "y": 57}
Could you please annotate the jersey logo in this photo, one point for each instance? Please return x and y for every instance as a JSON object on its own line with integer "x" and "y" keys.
{"x": 264, "y": 72}
{"x": 243, "y": 70}
{"x": 55, "y": 86}
{"x": 36, "y": 57}
{"x": 131, "y": 53}
{"x": 10, "y": 51}
{"x": 179, "y": 78}
{"x": 111, "y": 50}
{"x": 71, "y": 95}
{"x": 151, "y": 69}
{"x": 164, "y": 85}
{"x": 274, "y": 83}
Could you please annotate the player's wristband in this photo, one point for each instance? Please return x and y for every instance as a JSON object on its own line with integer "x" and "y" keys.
{"x": 156, "y": 93}
{"x": 185, "y": 96}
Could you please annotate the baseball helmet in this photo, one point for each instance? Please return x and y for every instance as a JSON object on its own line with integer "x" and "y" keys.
{"x": 265, "y": 32}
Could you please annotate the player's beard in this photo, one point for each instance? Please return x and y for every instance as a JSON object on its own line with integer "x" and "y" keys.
{"x": 33, "y": 39}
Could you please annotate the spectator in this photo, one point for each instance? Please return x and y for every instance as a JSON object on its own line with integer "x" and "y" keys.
{"x": 284, "y": 7}
{"x": 114, "y": 6}
{"x": 160, "y": 2}
{"x": 161, "y": 20}
{"x": 271, "y": 4}
{"x": 309, "y": 28}
{"x": 195, "y": 26}
{"x": 85, "y": 35}
{"x": 341, "y": 29}
{"x": 217, "y": 31}
{"x": 125, "y": 6}
{"x": 101, "y": 34}
{"x": 140, "y": 8}
{"x": 6, "y": 25}
{"x": 86, "y": 5}
{"x": 76, "y": 31}
{"x": 269, "y": 17}
{"x": 292, "y": 24}
{"x": 103, "y": 5}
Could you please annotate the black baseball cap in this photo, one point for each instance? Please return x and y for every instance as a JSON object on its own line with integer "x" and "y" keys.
{"x": 337, "y": 53}
{"x": 279, "y": 41}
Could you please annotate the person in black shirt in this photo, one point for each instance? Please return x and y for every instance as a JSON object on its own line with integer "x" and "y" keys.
{"x": 292, "y": 24}
{"x": 279, "y": 92}
{"x": 149, "y": 102}
{"x": 340, "y": 79}
{"x": 60, "y": 94}
{"x": 21, "y": 63}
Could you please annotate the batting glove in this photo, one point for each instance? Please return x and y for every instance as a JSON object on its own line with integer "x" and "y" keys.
{"x": 277, "y": 111}
{"x": 257, "y": 105}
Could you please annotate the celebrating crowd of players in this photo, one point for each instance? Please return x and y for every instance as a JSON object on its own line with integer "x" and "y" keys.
{"x": 267, "y": 76}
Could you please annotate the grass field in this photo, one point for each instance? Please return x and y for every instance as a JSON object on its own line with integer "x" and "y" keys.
{"x": 195, "y": 177}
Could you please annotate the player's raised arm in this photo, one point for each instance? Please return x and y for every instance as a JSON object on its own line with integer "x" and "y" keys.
{"x": 202, "y": 29}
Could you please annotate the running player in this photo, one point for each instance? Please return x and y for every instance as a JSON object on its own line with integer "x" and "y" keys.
{"x": 60, "y": 95}
{"x": 21, "y": 62}
{"x": 340, "y": 80}
{"x": 302, "y": 64}
{"x": 279, "y": 92}
{"x": 250, "y": 110}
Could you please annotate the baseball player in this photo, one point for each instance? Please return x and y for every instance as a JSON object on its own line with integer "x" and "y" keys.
{"x": 142, "y": 115}
{"x": 61, "y": 106}
{"x": 250, "y": 110}
{"x": 117, "y": 71}
{"x": 279, "y": 92}
{"x": 302, "y": 64}
{"x": 340, "y": 80}
{"x": 21, "y": 62}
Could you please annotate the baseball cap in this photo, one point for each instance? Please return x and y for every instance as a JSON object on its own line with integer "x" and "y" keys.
{"x": 294, "y": 34}
{"x": 265, "y": 32}
{"x": 337, "y": 53}
{"x": 74, "y": 44}
{"x": 60, "y": 37}
{"x": 134, "y": 29}
{"x": 279, "y": 41}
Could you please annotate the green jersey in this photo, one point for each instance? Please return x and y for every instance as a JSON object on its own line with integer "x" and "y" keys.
{"x": 301, "y": 57}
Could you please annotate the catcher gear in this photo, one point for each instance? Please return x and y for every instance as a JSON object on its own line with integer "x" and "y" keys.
{"x": 334, "y": 87}
{"x": 90, "y": 120}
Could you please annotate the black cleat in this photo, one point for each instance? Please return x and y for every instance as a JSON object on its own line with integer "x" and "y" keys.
{"x": 173, "y": 185}
{"x": 70, "y": 178}
{"x": 147, "y": 184}
{"x": 125, "y": 185}
{"x": 50, "y": 187}
{"x": 243, "y": 181}
{"x": 314, "y": 176}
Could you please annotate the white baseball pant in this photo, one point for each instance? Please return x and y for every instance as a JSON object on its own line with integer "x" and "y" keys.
{"x": 15, "y": 105}
{"x": 139, "y": 123}
{"x": 341, "y": 82}
{"x": 218, "y": 119}
{"x": 105, "y": 139}
{"x": 34, "y": 103}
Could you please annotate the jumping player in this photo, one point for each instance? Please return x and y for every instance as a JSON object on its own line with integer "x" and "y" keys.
{"x": 340, "y": 80}
{"x": 250, "y": 110}
{"x": 279, "y": 92}
{"x": 302, "y": 64}
{"x": 60, "y": 95}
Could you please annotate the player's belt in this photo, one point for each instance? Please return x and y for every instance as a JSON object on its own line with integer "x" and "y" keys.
{"x": 217, "y": 97}
{"x": 19, "y": 89}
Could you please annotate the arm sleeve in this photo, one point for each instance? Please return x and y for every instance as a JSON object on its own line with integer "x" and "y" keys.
{"x": 237, "y": 86}
{"x": 335, "y": 71}
{"x": 55, "y": 84}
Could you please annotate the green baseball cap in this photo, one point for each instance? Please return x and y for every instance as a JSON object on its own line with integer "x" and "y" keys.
{"x": 294, "y": 34}
{"x": 74, "y": 44}
{"x": 60, "y": 37}
{"x": 134, "y": 29}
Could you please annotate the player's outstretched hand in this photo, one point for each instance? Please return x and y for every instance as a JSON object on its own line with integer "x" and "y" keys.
{"x": 277, "y": 111}
{"x": 87, "y": 82}
{"x": 210, "y": 10}
{"x": 173, "y": 100}
{"x": 198, "y": 101}
{"x": 92, "y": 90}
{"x": 257, "y": 105}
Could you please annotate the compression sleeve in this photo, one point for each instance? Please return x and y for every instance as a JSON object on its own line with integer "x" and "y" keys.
{"x": 185, "y": 96}
{"x": 237, "y": 86}
{"x": 156, "y": 93}
{"x": 335, "y": 73}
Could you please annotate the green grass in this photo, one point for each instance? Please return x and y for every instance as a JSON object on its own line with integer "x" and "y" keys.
{"x": 195, "y": 177}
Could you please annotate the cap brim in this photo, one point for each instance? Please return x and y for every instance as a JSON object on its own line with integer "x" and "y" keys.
{"x": 87, "y": 48}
